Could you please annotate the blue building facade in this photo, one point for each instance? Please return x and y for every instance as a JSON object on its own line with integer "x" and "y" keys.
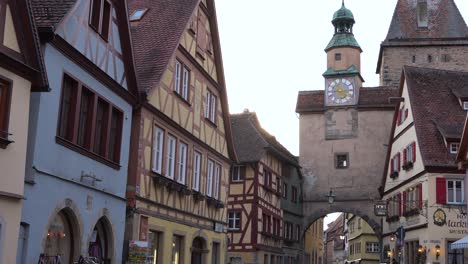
{"x": 79, "y": 135}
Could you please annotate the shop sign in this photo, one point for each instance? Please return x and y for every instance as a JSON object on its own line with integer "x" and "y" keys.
{"x": 380, "y": 208}
{"x": 457, "y": 226}
{"x": 137, "y": 251}
{"x": 218, "y": 227}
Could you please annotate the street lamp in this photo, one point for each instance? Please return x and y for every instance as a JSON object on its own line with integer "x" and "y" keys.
{"x": 331, "y": 197}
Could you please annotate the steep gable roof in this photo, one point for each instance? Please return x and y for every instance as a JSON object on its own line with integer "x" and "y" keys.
{"x": 29, "y": 63}
{"x": 445, "y": 21}
{"x": 156, "y": 36}
{"x": 252, "y": 142}
{"x": 48, "y": 13}
{"x": 314, "y": 101}
{"x": 436, "y": 111}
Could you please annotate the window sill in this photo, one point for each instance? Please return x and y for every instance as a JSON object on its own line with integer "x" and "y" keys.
{"x": 4, "y": 142}
{"x": 214, "y": 202}
{"x": 85, "y": 152}
{"x": 234, "y": 230}
{"x": 210, "y": 122}
{"x": 394, "y": 175}
{"x": 181, "y": 98}
{"x": 236, "y": 182}
{"x": 198, "y": 196}
{"x": 170, "y": 184}
{"x": 408, "y": 166}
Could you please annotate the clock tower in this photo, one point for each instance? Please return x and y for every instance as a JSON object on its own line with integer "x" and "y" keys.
{"x": 342, "y": 78}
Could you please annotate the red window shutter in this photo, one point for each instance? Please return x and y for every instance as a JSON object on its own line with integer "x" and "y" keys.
{"x": 399, "y": 160}
{"x": 391, "y": 166}
{"x": 413, "y": 148}
{"x": 441, "y": 191}
{"x": 406, "y": 113}
{"x": 398, "y": 117}
{"x": 404, "y": 202}
{"x": 420, "y": 201}
{"x": 399, "y": 204}
{"x": 405, "y": 156}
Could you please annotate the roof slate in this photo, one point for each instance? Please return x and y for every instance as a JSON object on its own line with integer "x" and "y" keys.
{"x": 343, "y": 40}
{"x": 156, "y": 36}
{"x": 48, "y": 13}
{"x": 445, "y": 21}
{"x": 436, "y": 111}
{"x": 368, "y": 97}
{"x": 252, "y": 142}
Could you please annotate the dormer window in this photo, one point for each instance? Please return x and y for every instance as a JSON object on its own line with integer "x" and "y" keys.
{"x": 138, "y": 14}
{"x": 453, "y": 147}
{"x": 465, "y": 105}
{"x": 422, "y": 13}
{"x": 99, "y": 18}
{"x": 337, "y": 56}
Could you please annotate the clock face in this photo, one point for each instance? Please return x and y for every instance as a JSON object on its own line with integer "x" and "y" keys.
{"x": 340, "y": 91}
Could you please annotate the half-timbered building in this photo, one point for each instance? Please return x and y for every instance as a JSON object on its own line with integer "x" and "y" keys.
{"x": 422, "y": 184}
{"x": 21, "y": 73}
{"x": 79, "y": 134}
{"x": 181, "y": 141}
{"x": 255, "y": 217}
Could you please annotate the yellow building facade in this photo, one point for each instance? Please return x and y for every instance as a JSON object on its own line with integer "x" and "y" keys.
{"x": 178, "y": 179}
{"x": 362, "y": 244}
{"x": 313, "y": 243}
{"x": 21, "y": 72}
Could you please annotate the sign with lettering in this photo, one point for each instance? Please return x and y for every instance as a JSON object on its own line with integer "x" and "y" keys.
{"x": 137, "y": 251}
{"x": 380, "y": 208}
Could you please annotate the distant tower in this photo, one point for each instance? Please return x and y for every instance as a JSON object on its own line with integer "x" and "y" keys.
{"x": 343, "y": 78}
{"x": 423, "y": 33}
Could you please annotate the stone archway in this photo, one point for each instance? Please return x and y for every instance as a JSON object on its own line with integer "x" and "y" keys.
{"x": 198, "y": 251}
{"x": 62, "y": 240}
{"x": 363, "y": 209}
{"x": 101, "y": 243}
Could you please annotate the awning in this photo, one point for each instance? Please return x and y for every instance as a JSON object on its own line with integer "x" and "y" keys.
{"x": 462, "y": 243}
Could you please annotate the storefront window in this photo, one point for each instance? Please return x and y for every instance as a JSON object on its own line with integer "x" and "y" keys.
{"x": 154, "y": 247}
{"x": 59, "y": 243}
{"x": 455, "y": 256}
{"x": 176, "y": 249}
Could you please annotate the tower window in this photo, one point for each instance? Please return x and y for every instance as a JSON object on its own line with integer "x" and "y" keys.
{"x": 342, "y": 161}
{"x": 429, "y": 58}
{"x": 445, "y": 58}
{"x": 337, "y": 56}
{"x": 414, "y": 59}
{"x": 423, "y": 18}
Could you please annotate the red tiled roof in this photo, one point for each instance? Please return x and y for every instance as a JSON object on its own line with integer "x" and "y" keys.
{"x": 436, "y": 111}
{"x": 368, "y": 97}
{"x": 251, "y": 141}
{"x": 48, "y": 13}
{"x": 445, "y": 21}
{"x": 157, "y": 35}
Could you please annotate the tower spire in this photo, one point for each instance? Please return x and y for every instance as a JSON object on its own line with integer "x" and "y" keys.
{"x": 342, "y": 4}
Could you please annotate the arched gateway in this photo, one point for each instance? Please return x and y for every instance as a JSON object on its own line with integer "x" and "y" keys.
{"x": 344, "y": 132}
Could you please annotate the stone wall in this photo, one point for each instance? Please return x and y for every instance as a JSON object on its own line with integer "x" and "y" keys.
{"x": 442, "y": 57}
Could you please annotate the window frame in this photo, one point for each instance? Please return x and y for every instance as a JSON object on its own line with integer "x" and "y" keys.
{"x": 170, "y": 156}
{"x": 454, "y": 194}
{"x": 239, "y": 172}
{"x": 182, "y": 157}
{"x": 454, "y": 147}
{"x": 337, "y": 162}
{"x": 211, "y": 102}
{"x": 235, "y": 220}
{"x": 372, "y": 247}
{"x": 5, "y": 108}
{"x": 209, "y": 177}
{"x": 197, "y": 170}
{"x": 181, "y": 86}
{"x": 100, "y": 17}
{"x": 217, "y": 180}
{"x": 70, "y": 138}
{"x": 161, "y": 147}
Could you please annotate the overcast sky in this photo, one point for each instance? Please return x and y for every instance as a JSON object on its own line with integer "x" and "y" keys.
{"x": 274, "y": 48}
